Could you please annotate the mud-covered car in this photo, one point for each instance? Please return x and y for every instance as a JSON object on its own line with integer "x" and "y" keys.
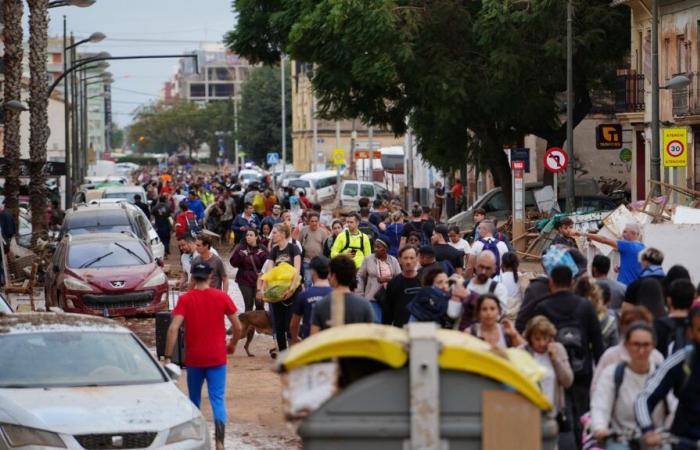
{"x": 72, "y": 381}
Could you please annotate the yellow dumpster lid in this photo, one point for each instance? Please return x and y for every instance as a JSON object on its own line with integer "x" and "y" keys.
{"x": 389, "y": 345}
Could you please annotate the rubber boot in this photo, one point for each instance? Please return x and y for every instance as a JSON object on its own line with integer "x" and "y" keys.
{"x": 219, "y": 433}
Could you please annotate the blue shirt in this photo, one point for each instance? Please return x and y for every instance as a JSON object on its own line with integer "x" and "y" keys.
{"x": 630, "y": 268}
{"x": 197, "y": 207}
{"x": 304, "y": 303}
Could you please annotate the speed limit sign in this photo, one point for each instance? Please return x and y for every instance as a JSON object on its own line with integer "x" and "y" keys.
{"x": 675, "y": 148}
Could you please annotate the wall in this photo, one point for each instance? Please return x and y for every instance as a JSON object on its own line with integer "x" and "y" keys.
{"x": 679, "y": 243}
{"x": 55, "y": 147}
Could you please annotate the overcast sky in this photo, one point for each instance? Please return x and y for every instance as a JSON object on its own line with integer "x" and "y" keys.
{"x": 143, "y": 27}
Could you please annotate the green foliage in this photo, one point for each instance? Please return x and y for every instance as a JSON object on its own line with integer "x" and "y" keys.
{"x": 260, "y": 121}
{"x": 117, "y": 136}
{"x": 470, "y": 76}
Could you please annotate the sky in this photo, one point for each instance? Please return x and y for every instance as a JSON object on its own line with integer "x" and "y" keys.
{"x": 144, "y": 27}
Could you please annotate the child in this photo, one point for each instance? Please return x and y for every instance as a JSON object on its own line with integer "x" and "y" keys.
{"x": 565, "y": 227}
{"x": 479, "y": 215}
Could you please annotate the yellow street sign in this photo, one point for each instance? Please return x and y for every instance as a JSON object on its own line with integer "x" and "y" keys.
{"x": 675, "y": 147}
{"x": 338, "y": 156}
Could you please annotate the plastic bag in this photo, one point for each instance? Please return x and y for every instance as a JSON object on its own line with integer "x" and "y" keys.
{"x": 279, "y": 280}
{"x": 259, "y": 204}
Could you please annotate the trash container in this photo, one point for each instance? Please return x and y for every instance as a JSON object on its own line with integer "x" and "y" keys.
{"x": 437, "y": 390}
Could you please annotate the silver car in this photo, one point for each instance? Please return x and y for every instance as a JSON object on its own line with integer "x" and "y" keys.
{"x": 72, "y": 381}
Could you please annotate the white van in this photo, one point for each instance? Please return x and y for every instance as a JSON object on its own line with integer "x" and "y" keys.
{"x": 352, "y": 190}
{"x": 320, "y": 187}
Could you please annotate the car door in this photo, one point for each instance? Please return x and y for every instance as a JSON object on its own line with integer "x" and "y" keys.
{"x": 325, "y": 188}
{"x": 53, "y": 274}
{"x": 350, "y": 192}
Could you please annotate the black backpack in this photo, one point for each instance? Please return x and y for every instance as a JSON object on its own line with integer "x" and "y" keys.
{"x": 348, "y": 246}
{"x": 367, "y": 229}
{"x": 679, "y": 340}
{"x": 569, "y": 335}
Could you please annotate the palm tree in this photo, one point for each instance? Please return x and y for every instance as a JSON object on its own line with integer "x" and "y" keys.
{"x": 38, "y": 119}
{"x": 12, "y": 35}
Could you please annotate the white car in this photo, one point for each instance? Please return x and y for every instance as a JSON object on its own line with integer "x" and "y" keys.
{"x": 124, "y": 192}
{"x": 72, "y": 381}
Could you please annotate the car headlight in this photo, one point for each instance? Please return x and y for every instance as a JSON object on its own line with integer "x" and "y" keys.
{"x": 76, "y": 285}
{"x": 194, "y": 429}
{"x": 156, "y": 280}
{"x": 19, "y": 436}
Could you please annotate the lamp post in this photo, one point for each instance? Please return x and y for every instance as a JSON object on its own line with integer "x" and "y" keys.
{"x": 67, "y": 86}
{"x": 78, "y": 3}
{"x": 570, "y": 184}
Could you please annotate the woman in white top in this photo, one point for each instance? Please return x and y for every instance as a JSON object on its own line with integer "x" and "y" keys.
{"x": 456, "y": 240}
{"x": 487, "y": 328}
{"x": 510, "y": 278}
{"x": 612, "y": 402}
{"x": 550, "y": 354}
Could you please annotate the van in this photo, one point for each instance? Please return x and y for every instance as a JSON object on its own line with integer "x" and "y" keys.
{"x": 320, "y": 187}
{"x": 352, "y": 190}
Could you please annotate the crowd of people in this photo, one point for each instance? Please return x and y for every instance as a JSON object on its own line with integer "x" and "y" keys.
{"x": 620, "y": 352}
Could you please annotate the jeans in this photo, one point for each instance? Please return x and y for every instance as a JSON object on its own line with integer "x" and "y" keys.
{"x": 377, "y": 310}
{"x": 308, "y": 282}
{"x": 578, "y": 403}
{"x": 216, "y": 386}
{"x": 282, "y": 313}
{"x": 249, "y": 298}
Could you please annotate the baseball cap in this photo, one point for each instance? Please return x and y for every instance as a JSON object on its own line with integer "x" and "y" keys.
{"x": 201, "y": 270}
{"x": 319, "y": 263}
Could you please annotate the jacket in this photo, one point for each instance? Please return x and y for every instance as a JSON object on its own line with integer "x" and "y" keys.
{"x": 249, "y": 264}
{"x": 392, "y": 236}
{"x": 367, "y": 277}
{"x": 563, "y": 374}
{"x": 536, "y": 291}
{"x": 181, "y": 226}
{"x": 240, "y": 222}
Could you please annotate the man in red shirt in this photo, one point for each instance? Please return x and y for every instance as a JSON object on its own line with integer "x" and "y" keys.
{"x": 203, "y": 310}
{"x": 457, "y": 195}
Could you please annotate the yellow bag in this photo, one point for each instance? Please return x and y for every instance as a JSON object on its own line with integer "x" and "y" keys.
{"x": 259, "y": 204}
{"x": 279, "y": 279}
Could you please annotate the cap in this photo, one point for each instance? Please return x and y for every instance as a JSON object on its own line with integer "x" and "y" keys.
{"x": 381, "y": 242}
{"x": 201, "y": 270}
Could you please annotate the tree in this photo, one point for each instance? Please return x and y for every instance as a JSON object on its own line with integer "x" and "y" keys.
{"x": 38, "y": 119}
{"x": 12, "y": 36}
{"x": 470, "y": 77}
{"x": 260, "y": 114}
{"x": 117, "y": 136}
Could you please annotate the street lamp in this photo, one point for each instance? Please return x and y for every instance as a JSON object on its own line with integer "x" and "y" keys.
{"x": 677, "y": 82}
{"x": 15, "y": 105}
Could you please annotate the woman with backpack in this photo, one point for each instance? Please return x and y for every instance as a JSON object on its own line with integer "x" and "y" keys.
{"x": 487, "y": 326}
{"x": 248, "y": 257}
{"x": 612, "y": 406}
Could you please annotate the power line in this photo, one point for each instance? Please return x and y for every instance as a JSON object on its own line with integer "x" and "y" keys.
{"x": 135, "y": 92}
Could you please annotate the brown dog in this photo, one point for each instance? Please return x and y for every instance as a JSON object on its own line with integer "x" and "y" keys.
{"x": 252, "y": 321}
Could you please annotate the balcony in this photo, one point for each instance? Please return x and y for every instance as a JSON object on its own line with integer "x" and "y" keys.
{"x": 686, "y": 101}
{"x": 629, "y": 91}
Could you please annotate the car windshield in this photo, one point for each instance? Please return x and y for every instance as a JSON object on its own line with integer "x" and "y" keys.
{"x": 299, "y": 184}
{"x": 73, "y": 359}
{"x": 128, "y": 196}
{"x": 100, "y": 254}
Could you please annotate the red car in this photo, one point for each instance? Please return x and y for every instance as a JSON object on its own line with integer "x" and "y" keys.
{"x": 106, "y": 274}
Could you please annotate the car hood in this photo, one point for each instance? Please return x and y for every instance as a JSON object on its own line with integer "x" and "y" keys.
{"x": 132, "y": 276}
{"x": 103, "y": 409}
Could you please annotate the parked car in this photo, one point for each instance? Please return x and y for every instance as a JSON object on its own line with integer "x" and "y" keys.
{"x": 352, "y": 190}
{"x": 124, "y": 192}
{"x": 72, "y": 381}
{"x": 112, "y": 216}
{"x": 113, "y": 274}
{"x": 495, "y": 204}
{"x": 87, "y": 193}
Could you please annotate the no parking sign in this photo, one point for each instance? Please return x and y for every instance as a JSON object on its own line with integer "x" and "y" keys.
{"x": 675, "y": 147}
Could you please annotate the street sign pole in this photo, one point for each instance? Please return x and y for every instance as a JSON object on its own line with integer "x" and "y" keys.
{"x": 517, "y": 170}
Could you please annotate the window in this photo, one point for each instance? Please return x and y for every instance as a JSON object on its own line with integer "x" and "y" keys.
{"x": 219, "y": 74}
{"x": 496, "y": 203}
{"x": 350, "y": 189}
{"x": 325, "y": 182}
{"x": 681, "y": 54}
{"x": 56, "y": 58}
{"x": 221, "y": 90}
{"x": 367, "y": 190}
{"x": 197, "y": 90}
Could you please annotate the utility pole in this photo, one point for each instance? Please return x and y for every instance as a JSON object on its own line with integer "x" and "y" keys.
{"x": 570, "y": 186}
{"x": 353, "y": 138}
{"x": 370, "y": 144}
{"x": 409, "y": 168}
{"x": 655, "y": 169}
{"x": 284, "y": 117}
{"x": 235, "y": 134}
{"x": 66, "y": 119}
{"x": 313, "y": 161}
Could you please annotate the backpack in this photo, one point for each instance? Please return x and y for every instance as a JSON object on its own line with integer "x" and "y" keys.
{"x": 193, "y": 227}
{"x": 347, "y": 242}
{"x": 492, "y": 246}
{"x": 368, "y": 229}
{"x": 569, "y": 335}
